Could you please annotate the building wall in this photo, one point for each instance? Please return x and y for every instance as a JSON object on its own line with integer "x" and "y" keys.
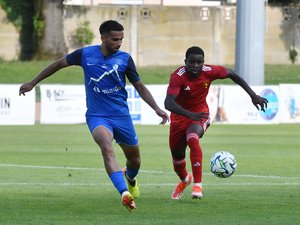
{"x": 9, "y": 39}
{"x": 160, "y": 35}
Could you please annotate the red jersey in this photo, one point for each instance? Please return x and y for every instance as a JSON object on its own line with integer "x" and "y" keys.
{"x": 192, "y": 92}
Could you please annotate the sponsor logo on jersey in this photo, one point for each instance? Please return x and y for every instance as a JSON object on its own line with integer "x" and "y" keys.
{"x": 107, "y": 90}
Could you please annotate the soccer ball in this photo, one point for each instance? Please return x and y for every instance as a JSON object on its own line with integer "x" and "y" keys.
{"x": 223, "y": 164}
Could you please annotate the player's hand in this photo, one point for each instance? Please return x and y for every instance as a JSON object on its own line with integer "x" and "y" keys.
{"x": 199, "y": 116}
{"x": 163, "y": 115}
{"x": 260, "y": 101}
{"x": 25, "y": 88}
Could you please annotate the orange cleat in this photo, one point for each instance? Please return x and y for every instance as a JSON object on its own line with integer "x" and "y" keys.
{"x": 197, "y": 192}
{"x": 178, "y": 191}
{"x": 127, "y": 201}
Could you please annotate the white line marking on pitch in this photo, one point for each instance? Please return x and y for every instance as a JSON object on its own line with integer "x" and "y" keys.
{"x": 142, "y": 171}
{"x": 145, "y": 184}
{"x": 50, "y": 167}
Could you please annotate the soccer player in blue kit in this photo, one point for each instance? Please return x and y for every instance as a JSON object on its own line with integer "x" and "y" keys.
{"x": 105, "y": 70}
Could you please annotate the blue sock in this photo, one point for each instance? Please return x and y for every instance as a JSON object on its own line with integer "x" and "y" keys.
{"x": 131, "y": 173}
{"x": 118, "y": 180}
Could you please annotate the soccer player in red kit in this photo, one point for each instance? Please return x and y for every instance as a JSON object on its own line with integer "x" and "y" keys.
{"x": 186, "y": 100}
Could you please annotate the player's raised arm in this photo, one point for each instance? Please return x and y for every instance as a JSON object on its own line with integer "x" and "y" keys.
{"x": 48, "y": 71}
{"x": 256, "y": 99}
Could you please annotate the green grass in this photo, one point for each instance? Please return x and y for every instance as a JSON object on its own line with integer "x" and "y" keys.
{"x": 20, "y": 72}
{"x": 54, "y": 175}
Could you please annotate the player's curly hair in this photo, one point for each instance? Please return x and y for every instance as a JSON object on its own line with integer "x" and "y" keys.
{"x": 194, "y": 50}
{"x": 110, "y": 25}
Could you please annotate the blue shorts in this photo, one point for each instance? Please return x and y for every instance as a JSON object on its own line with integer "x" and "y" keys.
{"x": 121, "y": 127}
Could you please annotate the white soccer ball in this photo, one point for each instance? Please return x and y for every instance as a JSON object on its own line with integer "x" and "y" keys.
{"x": 223, "y": 164}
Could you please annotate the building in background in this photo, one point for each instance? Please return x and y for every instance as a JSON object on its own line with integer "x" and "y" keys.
{"x": 148, "y": 2}
{"x": 157, "y": 34}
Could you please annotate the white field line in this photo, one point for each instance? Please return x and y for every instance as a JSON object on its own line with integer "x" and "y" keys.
{"x": 49, "y": 167}
{"x": 145, "y": 184}
{"x": 142, "y": 171}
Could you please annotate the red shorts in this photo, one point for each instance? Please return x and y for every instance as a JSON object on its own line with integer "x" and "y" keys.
{"x": 177, "y": 137}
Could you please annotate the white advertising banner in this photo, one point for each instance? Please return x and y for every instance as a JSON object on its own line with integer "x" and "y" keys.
{"x": 227, "y": 103}
{"x": 213, "y": 102}
{"x": 290, "y": 103}
{"x": 62, "y": 104}
{"x": 148, "y": 114}
{"x": 134, "y": 104}
{"x": 15, "y": 109}
{"x": 142, "y": 113}
{"x": 230, "y": 104}
{"x": 235, "y": 105}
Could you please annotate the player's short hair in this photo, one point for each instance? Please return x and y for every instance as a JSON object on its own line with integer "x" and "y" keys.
{"x": 194, "y": 50}
{"x": 110, "y": 25}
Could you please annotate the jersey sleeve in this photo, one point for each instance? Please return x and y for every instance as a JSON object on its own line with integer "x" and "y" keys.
{"x": 131, "y": 72}
{"x": 219, "y": 72}
{"x": 74, "y": 58}
{"x": 174, "y": 85}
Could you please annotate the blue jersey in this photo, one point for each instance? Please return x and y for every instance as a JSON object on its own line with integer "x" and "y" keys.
{"x": 105, "y": 80}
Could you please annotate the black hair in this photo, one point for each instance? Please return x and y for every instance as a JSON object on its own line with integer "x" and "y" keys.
{"x": 110, "y": 25}
{"x": 194, "y": 50}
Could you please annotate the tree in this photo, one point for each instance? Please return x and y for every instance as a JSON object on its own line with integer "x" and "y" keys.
{"x": 21, "y": 14}
{"x": 52, "y": 44}
{"x": 40, "y": 23}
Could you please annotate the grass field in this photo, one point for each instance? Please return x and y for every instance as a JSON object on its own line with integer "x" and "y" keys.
{"x": 53, "y": 175}
{"x": 20, "y": 72}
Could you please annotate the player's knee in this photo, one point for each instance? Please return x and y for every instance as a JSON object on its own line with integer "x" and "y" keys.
{"x": 134, "y": 160}
{"x": 178, "y": 155}
{"x": 137, "y": 161}
{"x": 134, "y": 163}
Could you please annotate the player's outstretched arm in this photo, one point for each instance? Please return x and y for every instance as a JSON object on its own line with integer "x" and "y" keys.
{"x": 148, "y": 98}
{"x": 48, "y": 71}
{"x": 257, "y": 100}
{"x": 172, "y": 106}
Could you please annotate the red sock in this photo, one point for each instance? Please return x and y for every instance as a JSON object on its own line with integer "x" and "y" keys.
{"x": 180, "y": 169}
{"x": 195, "y": 156}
